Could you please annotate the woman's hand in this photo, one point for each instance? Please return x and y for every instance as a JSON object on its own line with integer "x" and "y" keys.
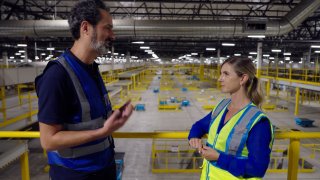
{"x": 209, "y": 153}
{"x": 196, "y": 143}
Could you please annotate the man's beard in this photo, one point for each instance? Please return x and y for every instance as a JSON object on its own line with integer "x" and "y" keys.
{"x": 100, "y": 46}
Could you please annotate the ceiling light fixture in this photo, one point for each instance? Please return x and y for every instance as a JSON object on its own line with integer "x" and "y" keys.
{"x": 22, "y": 45}
{"x": 315, "y": 46}
{"x": 256, "y": 36}
{"x": 228, "y": 44}
{"x": 138, "y": 42}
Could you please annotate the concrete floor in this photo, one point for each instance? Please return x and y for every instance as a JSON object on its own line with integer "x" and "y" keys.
{"x": 138, "y": 151}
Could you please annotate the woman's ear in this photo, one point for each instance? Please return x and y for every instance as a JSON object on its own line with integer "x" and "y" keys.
{"x": 244, "y": 79}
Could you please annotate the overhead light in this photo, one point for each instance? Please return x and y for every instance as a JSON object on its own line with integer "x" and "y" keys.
{"x": 43, "y": 54}
{"x": 144, "y": 47}
{"x": 23, "y": 56}
{"x": 22, "y": 45}
{"x": 271, "y": 57}
{"x": 287, "y": 54}
{"x": 122, "y": 54}
{"x": 250, "y": 57}
{"x": 316, "y": 51}
{"x": 148, "y": 50}
{"x": 50, "y": 48}
{"x": 253, "y": 53}
{"x": 276, "y": 50}
{"x": 315, "y": 46}
{"x": 287, "y": 58}
{"x": 194, "y": 54}
{"x": 11, "y": 57}
{"x": 237, "y": 54}
{"x": 228, "y": 44}
{"x": 22, "y": 51}
{"x": 138, "y": 42}
{"x": 210, "y": 49}
{"x": 36, "y": 57}
{"x": 266, "y": 55}
{"x": 17, "y": 54}
{"x": 228, "y": 56}
{"x": 256, "y": 36}
{"x": 116, "y": 54}
{"x": 188, "y": 55}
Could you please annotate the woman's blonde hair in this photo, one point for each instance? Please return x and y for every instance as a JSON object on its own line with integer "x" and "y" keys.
{"x": 243, "y": 65}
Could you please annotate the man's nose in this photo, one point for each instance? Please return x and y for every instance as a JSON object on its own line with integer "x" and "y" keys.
{"x": 112, "y": 36}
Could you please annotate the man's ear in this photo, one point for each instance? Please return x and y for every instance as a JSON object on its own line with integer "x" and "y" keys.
{"x": 84, "y": 28}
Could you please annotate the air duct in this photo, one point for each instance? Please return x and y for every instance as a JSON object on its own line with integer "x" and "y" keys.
{"x": 176, "y": 28}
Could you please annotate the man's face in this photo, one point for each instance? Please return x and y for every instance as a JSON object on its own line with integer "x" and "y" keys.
{"x": 102, "y": 35}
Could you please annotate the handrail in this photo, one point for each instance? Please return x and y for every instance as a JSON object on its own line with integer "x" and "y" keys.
{"x": 294, "y": 146}
{"x": 159, "y": 135}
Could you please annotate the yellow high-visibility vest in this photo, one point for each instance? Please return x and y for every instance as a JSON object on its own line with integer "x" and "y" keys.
{"x": 231, "y": 139}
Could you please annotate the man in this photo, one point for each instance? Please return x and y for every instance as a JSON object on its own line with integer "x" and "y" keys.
{"x": 75, "y": 115}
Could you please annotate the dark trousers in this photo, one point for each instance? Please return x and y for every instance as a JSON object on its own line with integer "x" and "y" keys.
{"x": 62, "y": 173}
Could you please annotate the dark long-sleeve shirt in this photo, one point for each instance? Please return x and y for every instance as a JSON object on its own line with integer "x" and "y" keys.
{"x": 257, "y": 144}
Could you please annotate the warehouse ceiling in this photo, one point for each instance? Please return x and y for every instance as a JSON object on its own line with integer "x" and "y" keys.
{"x": 254, "y": 15}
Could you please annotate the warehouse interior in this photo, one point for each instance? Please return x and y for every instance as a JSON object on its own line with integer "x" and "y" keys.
{"x": 166, "y": 58}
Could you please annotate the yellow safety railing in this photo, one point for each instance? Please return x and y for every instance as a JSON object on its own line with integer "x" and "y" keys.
{"x": 27, "y": 114}
{"x": 314, "y": 148}
{"x": 294, "y": 145}
{"x": 308, "y": 76}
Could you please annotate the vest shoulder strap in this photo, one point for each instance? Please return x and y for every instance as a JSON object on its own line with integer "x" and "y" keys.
{"x": 219, "y": 108}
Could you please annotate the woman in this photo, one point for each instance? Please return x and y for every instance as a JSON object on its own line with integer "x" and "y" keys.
{"x": 240, "y": 136}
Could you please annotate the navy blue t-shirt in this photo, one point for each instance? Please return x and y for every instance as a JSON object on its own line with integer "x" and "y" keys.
{"x": 59, "y": 100}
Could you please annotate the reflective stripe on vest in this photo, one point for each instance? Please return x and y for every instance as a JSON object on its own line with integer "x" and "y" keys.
{"x": 85, "y": 150}
{"x": 85, "y": 106}
{"x": 241, "y": 131}
{"x": 86, "y": 122}
{"x": 219, "y": 108}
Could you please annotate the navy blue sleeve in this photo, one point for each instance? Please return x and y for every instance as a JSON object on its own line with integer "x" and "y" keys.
{"x": 259, "y": 153}
{"x": 51, "y": 89}
{"x": 201, "y": 127}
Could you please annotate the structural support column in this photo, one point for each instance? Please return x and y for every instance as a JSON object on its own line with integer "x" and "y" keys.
{"x": 24, "y": 161}
{"x": 268, "y": 88}
{"x": 127, "y": 60}
{"x": 296, "y": 109}
{"x": 5, "y": 58}
{"x": 201, "y": 68}
{"x": 112, "y": 59}
{"x": 36, "y": 58}
{"x": 294, "y": 152}
{"x": 3, "y": 102}
{"x": 259, "y": 59}
{"x": 218, "y": 68}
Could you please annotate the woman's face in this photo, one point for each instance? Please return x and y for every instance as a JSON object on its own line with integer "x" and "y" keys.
{"x": 229, "y": 80}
